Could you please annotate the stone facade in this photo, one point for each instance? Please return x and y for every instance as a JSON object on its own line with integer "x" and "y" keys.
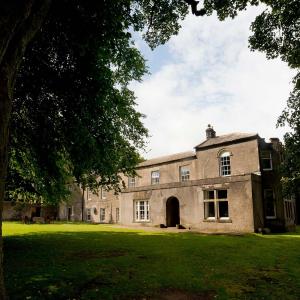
{"x": 229, "y": 183}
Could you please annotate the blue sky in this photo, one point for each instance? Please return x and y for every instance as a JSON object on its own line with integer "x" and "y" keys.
{"x": 207, "y": 75}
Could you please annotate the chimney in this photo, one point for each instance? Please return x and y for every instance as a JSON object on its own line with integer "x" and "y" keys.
{"x": 276, "y": 144}
{"x": 210, "y": 133}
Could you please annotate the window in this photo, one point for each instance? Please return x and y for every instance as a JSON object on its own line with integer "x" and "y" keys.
{"x": 103, "y": 193}
{"x": 117, "y": 214}
{"x": 225, "y": 164}
{"x": 131, "y": 182}
{"x": 270, "y": 206}
{"x": 155, "y": 177}
{"x": 184, "y": 173}
{"x": 88, "y": 195}
{"x": 102, "y": 214}
{"x": 266, "y": 160}
{"x": 216, "y": 205}
{"x": 142, "y": 211}
{"x": 88, "y": 214}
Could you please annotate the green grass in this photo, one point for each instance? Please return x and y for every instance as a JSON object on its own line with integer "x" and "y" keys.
{"x": 82, "y": 261}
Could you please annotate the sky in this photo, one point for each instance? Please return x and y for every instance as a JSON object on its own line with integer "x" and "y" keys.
{"x": 207, "y": 75}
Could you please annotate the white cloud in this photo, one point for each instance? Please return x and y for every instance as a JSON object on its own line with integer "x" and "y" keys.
{"x": 210, "y": 77}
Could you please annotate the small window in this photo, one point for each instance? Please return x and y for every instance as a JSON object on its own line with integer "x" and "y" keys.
{"x": 103, "y": 193}
{"x": 225, "y": 169}
{"x": 88, "y": 214}
{"x": 102, "y": 214}
{"x": 270, "y": 205}
{"x": 117, "y": 214}
{"x": 266, "y": 160}
{"x": 142, "y": 211}
{"x": 88, "y": 195}
{"x": 155, "y": 177}
{"x": 131, "y": 182}
{"x": 184, "y": 173}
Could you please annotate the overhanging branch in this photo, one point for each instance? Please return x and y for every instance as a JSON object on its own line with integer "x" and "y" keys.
{"x": 195, "y": 11}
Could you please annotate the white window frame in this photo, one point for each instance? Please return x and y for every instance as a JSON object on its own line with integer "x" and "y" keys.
{"x": 155, "y": 177}
{"x": 216, "y": 202}
{"x": 184, "y": 173}
{"x": 141, "y": 211}
{"x": 88, "y": 193}
{"x": 103, "y": 193}
{"x": 131, "y": 182}
{"x": 267, "y": 155}
{"x": 102, "y": 214}
{"x": 225, "y": 164}
{"x": 274, "y": 204}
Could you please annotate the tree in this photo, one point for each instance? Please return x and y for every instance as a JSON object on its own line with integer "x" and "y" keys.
{"x": 276, "y": 32}
{"x": 103, "y": 84}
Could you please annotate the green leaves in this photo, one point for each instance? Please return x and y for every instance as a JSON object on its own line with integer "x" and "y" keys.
{"x": 74, "y": 117}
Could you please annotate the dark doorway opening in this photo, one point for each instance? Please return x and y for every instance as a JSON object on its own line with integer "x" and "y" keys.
{"x": 172, "y": 212}
{"x": 38, "y": 211}
{"x": 69, "y": 213}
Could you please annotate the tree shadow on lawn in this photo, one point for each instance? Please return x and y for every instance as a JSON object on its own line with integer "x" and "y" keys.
{"x": 150, "y": 265}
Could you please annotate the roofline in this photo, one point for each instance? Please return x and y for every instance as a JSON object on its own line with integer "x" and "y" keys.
{"x": 236, "y": 141}
{"x": 167, "y": 161}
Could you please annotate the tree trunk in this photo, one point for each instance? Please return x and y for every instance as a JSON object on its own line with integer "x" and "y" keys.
{"x": 19, "y": 22}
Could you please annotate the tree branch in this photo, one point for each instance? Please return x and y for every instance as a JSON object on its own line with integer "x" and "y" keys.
{"x": 195, "y": 11}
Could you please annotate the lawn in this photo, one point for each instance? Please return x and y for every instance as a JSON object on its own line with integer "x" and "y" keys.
{"x": 82, "y": 261}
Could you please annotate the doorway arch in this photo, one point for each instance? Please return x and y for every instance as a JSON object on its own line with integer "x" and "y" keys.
{"x": 172, "y": 212}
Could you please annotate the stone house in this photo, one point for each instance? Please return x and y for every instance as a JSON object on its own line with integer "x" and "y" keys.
{"x": 229, "y": 183}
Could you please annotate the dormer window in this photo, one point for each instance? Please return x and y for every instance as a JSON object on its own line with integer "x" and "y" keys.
{"x": 225, "y": 169}
{"x": 266, "y": 160}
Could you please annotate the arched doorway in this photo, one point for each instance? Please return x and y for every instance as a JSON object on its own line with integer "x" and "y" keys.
{"x": 172, "y": 212}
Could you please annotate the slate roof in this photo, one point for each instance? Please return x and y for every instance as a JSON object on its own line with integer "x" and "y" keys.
{"x": 168, "y": 158}
{"x": 226, "y": 138}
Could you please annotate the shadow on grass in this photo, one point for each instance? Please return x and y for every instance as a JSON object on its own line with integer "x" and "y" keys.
{"x": 125, "y": 264}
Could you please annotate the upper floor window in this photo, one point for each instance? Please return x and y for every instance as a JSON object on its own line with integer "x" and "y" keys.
{"x": 88, "y": 194}
{"x": 155, "y": 177}
{"x": 225, "y": 169}
{"x": 266, "y": 160}
{"x": 184, "y": 173}
{"x": 131, "y": 182}
{"x": 103, "y": 193}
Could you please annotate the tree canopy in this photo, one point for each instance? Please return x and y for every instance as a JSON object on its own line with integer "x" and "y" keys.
{"x": 276, "y": 32}
{"x": 73, "y": 115}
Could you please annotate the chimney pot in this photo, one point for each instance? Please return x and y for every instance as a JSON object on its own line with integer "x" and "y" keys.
{"x": 210, "y": 133}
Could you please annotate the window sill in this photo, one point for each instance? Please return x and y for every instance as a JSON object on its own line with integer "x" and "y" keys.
{"x": 136, "y": 221}
{"x": 217, "y": 220}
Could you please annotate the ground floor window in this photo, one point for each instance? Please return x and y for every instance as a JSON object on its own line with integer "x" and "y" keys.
{"x": 142, "y": 210}
{"x": 88, "y": 214}
{"x": 216, "y": 205}
{"x": 117, "y": 214}
{"x": 270, "y": 205}
{"x": 102, "y": 214}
